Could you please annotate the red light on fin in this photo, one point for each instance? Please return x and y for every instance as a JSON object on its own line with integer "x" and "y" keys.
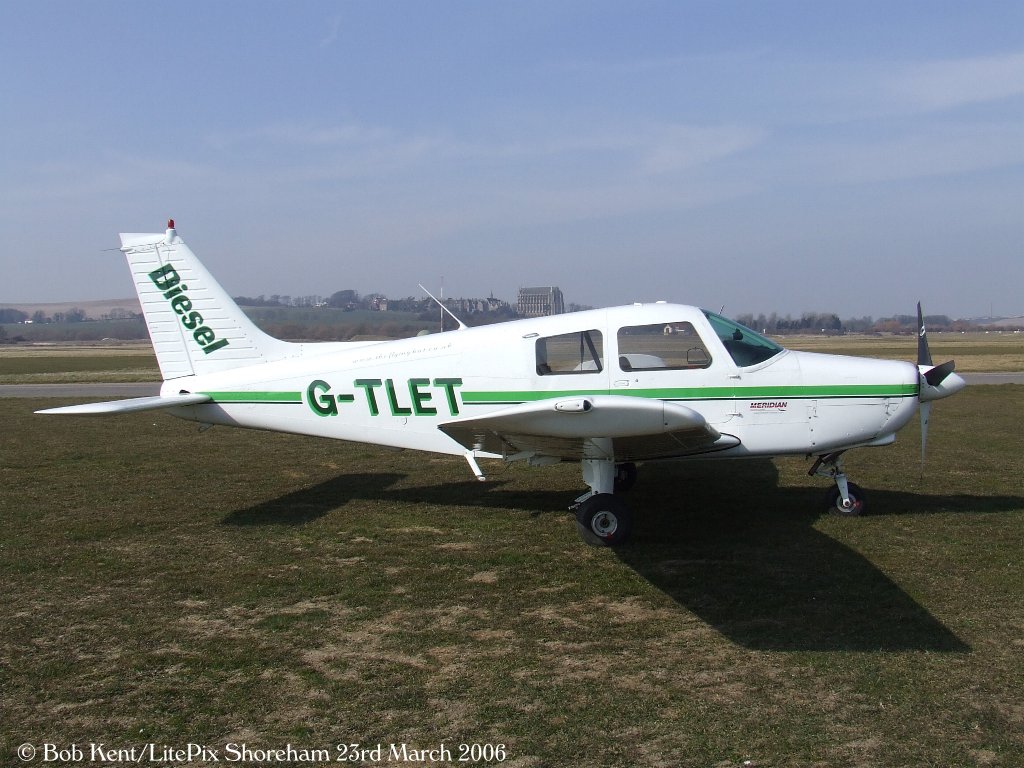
{"x": 170, "y": 223}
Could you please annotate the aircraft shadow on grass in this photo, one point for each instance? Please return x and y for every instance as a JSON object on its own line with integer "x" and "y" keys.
{"x": 731, "y": 547}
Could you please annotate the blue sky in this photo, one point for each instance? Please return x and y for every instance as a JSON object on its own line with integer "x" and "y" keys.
{"x": 762, "y": 156}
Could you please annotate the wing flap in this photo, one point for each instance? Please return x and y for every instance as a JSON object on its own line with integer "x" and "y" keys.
{"x": 129, "y": 406}
{"x": 639, "y": 428}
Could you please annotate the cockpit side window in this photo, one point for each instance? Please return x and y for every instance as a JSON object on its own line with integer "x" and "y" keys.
{"x": 746, "y": 347}
{"x": 570, "y": 353}
{"x": 661, "y": 347}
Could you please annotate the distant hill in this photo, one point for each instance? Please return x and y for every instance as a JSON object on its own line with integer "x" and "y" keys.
{"x": 92, "y": 309}
{"x": 106, "y": 321}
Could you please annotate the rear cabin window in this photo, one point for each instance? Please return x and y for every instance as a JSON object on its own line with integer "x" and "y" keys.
{"x": 570, "y": 353}
{"x": 661, "y": 347}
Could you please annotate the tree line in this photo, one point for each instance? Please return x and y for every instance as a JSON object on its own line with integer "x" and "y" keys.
{"x": 9, "y": 316}
{"x": 356, "y": 315}
{"x": 829, "y": 323}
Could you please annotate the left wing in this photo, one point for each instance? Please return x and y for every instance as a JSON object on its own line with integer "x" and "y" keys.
{"x": 129, "y": 406}
{"x": 564, "y": 428}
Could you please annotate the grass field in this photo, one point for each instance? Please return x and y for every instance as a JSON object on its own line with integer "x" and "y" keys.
{"x": 164, "y": 586}
{"x": 78, "y": 363}
{"x": 973, "y": 352}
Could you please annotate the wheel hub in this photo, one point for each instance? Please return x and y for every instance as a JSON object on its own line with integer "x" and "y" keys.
{"x": 604, "y": 524}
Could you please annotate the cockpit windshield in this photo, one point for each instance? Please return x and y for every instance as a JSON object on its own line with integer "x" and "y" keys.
{"x": 744, "y": 345}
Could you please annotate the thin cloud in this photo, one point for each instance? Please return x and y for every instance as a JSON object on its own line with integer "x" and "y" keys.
{"x": 349, "y": 149}
{"x": 334, "y": 28}
{"x": 918, "y": 152}
{"x": 957, "y": 82}
{"x": 654, "y": 64}
{"x": 679, "y": 148}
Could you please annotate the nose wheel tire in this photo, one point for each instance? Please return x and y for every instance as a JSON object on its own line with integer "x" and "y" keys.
{"x": 603, "y": 520}
{"x": 857, "y": 503}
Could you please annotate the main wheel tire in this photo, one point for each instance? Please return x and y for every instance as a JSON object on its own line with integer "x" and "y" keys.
{"x": 857, "y": 506}
{"x": 625, "y": 476}
{"x": 604, "y": 520}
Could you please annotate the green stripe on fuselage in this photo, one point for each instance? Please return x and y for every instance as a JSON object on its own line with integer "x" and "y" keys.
{"x": 254, "y": 397}
{"x": 661, "y": 393}
{"x": 704, "y": 393}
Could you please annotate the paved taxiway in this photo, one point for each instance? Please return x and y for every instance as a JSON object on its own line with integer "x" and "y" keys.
{"x": 144, "y": 389}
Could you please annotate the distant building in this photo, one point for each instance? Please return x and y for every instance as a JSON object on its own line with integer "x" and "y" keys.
{"x": 538, "y": 302}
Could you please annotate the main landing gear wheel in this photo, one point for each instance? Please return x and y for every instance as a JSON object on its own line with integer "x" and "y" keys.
{"x": 625, "y": 476}
{"x": 857, "y": 503}
{"x": 603, "y": 520}
{"x": 830, "y": 465}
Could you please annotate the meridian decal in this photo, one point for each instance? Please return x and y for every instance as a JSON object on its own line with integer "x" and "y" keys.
{"x": 770, "y": 405}
{"x": 168, "y": 281}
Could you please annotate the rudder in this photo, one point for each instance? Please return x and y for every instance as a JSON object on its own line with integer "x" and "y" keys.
{"x": 195, "y": 326}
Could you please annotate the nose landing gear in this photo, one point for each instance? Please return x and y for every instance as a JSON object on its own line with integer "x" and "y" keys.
{"x": 846, "y": 498}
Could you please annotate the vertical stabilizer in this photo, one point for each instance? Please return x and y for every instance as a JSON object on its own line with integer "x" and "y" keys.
{"x": 195, "y": 325}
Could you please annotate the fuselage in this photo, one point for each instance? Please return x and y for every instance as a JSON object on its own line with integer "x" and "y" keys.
{"x": 606, "y": 388}
{"x": 396, "y": 393}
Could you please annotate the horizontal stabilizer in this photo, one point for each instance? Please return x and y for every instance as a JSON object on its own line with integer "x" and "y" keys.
{"x": 129, "y": 406}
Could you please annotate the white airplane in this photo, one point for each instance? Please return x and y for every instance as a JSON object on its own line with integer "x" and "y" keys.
{"x": 607, "y": 387}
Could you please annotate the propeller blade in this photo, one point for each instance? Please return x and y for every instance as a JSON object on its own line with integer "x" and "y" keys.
{"x": 938, "y": 374}
{"x": 931, "y": 378}
{"x": 924, "y": 355}
{"x": 926, "y": 412}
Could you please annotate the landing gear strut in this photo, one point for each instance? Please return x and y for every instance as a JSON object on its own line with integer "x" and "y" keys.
{"x": 846, "y": 498}
{"x": 602, "y": 518}
{"x": 625, "y": 476}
